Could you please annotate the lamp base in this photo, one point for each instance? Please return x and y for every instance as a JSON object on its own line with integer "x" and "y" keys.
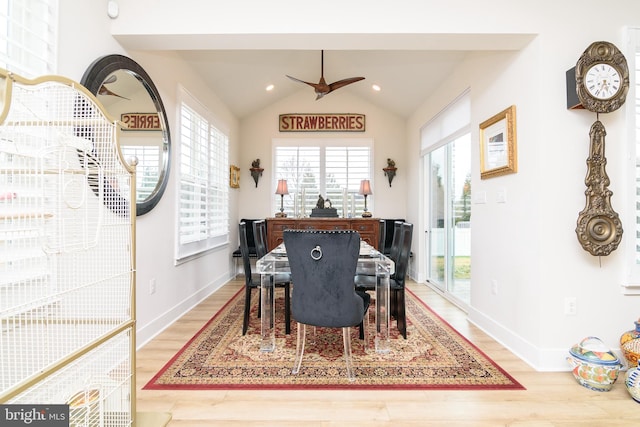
{"x": 366, "y": 214}
{"x": 280, "y": 215}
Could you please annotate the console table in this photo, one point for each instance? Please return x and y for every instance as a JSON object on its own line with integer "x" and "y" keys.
{"x": 369, "y": 228}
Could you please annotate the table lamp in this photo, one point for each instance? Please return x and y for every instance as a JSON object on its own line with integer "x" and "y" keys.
{"x": 365, "y": 190}
{"x": 282, "y": 190}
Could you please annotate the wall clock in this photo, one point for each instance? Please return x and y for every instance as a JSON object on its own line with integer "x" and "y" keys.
{"x": 602, "y": 78}
{"x": 602, "y": 83}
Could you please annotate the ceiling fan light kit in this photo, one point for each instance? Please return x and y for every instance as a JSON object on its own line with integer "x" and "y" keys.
{"x": 322, "y": 88}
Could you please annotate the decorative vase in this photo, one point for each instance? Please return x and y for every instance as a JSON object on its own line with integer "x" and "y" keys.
{"x": 632, "y": 381}
{"x": 594, "y": 366}
{"x": 630, "y": 345}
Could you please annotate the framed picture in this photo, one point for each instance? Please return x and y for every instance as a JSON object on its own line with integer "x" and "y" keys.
{"x": 498, "y": 154}
{"x": 234, "y": 176}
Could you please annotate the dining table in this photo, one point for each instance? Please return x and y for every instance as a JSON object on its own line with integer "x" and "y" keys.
{"x": 370, "y": 261}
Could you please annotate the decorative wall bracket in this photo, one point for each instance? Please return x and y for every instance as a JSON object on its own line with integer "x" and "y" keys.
{"x": 390, "y": 170}
{"x": 256, "y": 171}
{"x": 598, "y": 227}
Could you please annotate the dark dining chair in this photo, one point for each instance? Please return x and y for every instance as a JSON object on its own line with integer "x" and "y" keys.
{"x": 323, "y": 264}
{"x": 400, "y": 254}
{"x": 365, "y": 280}
{"x": 279, "y": 280}
{"x": 251, "y": 280}
{"x": 397, "y": 280}
{"x": 382, "y": 236}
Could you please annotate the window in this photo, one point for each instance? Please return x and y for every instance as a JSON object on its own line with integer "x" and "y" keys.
{"x": 446, "y": 149}
{"x": 203, "y": 202}
{"x": 147, "y": 170}
{"x": 633, "y": 100}
{"x": 28, "y": 34}
{"x": 332, "y": 168}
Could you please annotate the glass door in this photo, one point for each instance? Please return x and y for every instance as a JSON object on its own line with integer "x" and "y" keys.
{"x": 449, "y": 218}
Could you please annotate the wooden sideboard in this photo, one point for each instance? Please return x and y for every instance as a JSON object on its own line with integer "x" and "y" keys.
{"x": 369, "y": 228}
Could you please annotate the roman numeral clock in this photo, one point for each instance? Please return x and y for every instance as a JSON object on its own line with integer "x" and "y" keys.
{"x": 602, "y": 83}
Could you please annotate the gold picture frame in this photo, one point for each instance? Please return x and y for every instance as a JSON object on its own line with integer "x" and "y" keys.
{"x": 498, "y": 151}
{"x": 234, "y": 176}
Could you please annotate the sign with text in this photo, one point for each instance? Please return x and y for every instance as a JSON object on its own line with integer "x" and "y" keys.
{"x": 140, "y": 121}
{"x": 347, "y": 122}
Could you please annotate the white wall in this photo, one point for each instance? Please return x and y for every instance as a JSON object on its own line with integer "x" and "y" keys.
{"x": 527, "y": 244}
{"x": 179, "y": 287}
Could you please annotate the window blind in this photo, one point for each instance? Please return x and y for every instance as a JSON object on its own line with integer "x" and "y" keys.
{"x": 28, "y": 36}
{"x": 203, "y": 201}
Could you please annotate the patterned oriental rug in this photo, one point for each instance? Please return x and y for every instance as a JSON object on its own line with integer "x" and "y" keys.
{"x": 434, "y": 356}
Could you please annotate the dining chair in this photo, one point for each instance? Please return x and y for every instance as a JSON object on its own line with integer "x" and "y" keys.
{"x": 382, "y": 235}
{"x": 397, "y": 280}
{"x": 400, "y": 254}
{"x": 365, "y": 280}
{"x": 396, "y": 243}
{"x": 279, "y": 280}
{"x": 323, "y": 264}
{"x": 251, "y": 280}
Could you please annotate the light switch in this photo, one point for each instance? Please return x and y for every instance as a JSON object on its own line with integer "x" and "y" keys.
{"x": 480, "y": 197}
{"x": 501, "y": 196}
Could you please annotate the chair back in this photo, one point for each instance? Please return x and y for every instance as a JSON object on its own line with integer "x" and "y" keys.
{"x": 244, "y": 250}
{"x": 260, "y": 236}
{"x": 382, "y": 238}
{"x": 402, "y": 263}
{"x": 323, "y": 265}
{"x": 396, "y": 243}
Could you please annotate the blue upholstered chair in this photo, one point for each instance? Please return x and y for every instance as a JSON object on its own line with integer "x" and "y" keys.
{"x": 323, "y": 264}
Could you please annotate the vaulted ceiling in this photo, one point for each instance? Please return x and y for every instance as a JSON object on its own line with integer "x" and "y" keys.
{"x": 240, "y": 77}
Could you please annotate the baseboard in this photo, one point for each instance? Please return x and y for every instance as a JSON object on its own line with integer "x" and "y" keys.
{"x": 149, "y": 331}
{"x": 543, "y": 360}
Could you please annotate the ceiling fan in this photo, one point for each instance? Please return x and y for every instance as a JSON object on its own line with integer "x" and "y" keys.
{"x": 322, "y": 88}
{"x": 104, "y": 90}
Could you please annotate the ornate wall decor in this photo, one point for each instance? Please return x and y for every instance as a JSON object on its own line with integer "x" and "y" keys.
{"x": 390, "y": 170}
{"x": 598, "y": 228}
{"x": 256, "y": 171}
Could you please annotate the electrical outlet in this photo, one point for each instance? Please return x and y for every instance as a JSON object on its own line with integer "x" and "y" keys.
{"x": 152, "y": 286}
{"x": 494, "y": 287}
{"x": 570, "y": 306}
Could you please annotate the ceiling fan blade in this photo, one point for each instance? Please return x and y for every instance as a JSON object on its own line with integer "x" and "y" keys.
{"x": 105, "y": 91}
{"x": 344, "y": 82}
{"x": 301, "y": 81}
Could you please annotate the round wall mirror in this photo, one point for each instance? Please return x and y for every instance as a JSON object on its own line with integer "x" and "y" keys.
{"x": 128, "y": 94}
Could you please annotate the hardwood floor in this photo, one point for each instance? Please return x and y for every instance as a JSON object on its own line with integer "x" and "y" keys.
{"x": 550, "y": 398}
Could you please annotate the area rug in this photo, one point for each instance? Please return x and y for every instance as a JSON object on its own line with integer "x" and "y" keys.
{"x": 434, "y": 356}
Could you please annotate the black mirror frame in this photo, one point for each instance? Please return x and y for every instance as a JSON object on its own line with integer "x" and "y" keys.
{"x": 93, "y": 79}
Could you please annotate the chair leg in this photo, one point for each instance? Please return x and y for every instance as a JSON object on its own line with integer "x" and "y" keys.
{"x": 287, "y": 309}
{"x": 247, "y": 309}
{"x": 259, "y": 301}
{"x": 302, "y": 329}
{"x": 346, "y": 336}
{"x": 401, "y": 317}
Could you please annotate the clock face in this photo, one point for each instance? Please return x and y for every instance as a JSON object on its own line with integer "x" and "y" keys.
{"x": 602, "y": 81}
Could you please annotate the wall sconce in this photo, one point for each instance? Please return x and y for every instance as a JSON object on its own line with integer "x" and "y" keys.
{"x": 256, "y": 170}
{"x": 365, "y": 190}
{"x": 282, "y": 190}
{"x": 390, "y": 170}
